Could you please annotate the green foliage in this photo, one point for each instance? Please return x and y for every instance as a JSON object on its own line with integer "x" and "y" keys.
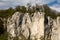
{"x": 21, "y": 9}
{"x": 49, "y": 12}
{"x": 9, "y": 12}
{"x": 3, "y": 33}
{"x": 58, "y": 14}
{"x": 4, "y": 36}
{"x": 42, "y": 38}
{"x": 1, "y": 27}
{"x": 6, "y": 13}
{"x": 15, "y": 38}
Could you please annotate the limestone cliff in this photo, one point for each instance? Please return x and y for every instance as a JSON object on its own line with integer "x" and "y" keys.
{"x": 30, "y": 26}
{"x": 34, "y": 26}
{"x": 56, "y": 29}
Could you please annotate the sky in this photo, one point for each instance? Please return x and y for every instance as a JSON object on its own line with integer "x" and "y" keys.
{"x": 53, "y": 4}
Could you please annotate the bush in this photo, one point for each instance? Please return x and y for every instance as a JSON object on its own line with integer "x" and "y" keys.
{"x": 49, "y": 12}
{"x": 6, "y": 13}
{"x": 4, "y": 36}
{"x": 42, "y": 38}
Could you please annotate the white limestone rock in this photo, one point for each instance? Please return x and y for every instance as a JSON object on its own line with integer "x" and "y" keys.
{"x": 29, "y": 26}
{"x": 56, "y": 29}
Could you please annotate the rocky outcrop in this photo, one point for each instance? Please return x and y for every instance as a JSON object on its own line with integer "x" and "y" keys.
{"x": 56, "y": 29}
{"x": 34, "y": 26}
{"x": 48, "y": 28}
{"x": 52, "y": 29}
{"x": 31, "y": 26}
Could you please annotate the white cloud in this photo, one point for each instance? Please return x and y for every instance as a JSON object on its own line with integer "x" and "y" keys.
{"x": 56, "y": 7}
{"x": 24, "y": 2}
{"x": 1, "y": 3}
{"x": 5, "y": 0}
{"x": 58, "y": 1}
{"x": 9, "y": 3}
{"x": 37, "y": 1}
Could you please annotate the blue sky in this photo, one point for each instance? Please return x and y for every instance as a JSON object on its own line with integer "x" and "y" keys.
{"x": 54, "y": 4}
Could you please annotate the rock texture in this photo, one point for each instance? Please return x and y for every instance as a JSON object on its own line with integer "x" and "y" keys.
{"x": 52, "y": 29}
{"x": 34, "y": 26}
{"x": 56, "y": 29}
{"x": 31, "y": 26}
{"x": 48, "y": 28}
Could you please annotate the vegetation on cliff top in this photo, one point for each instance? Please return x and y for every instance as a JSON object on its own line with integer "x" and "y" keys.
{"x": 48, "y": 12}
{"x": 10, "y": 11}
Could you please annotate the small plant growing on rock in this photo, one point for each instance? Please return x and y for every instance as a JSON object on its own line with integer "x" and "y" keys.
{"x": 42, "y": 38}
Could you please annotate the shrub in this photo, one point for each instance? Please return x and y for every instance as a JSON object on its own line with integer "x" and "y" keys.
{"x": 42, "y": 38}
{"x": 4, "y": 36}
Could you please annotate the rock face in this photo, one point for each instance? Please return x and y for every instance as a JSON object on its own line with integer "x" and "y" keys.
{"x": 48, "y": 28}
{"x": 52, "y": 29}
{"x": 31, "y": 26}
{"x": 13, "y": 25}
{"x": 34, "y": 26}
{"x": 56, "y": 29}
